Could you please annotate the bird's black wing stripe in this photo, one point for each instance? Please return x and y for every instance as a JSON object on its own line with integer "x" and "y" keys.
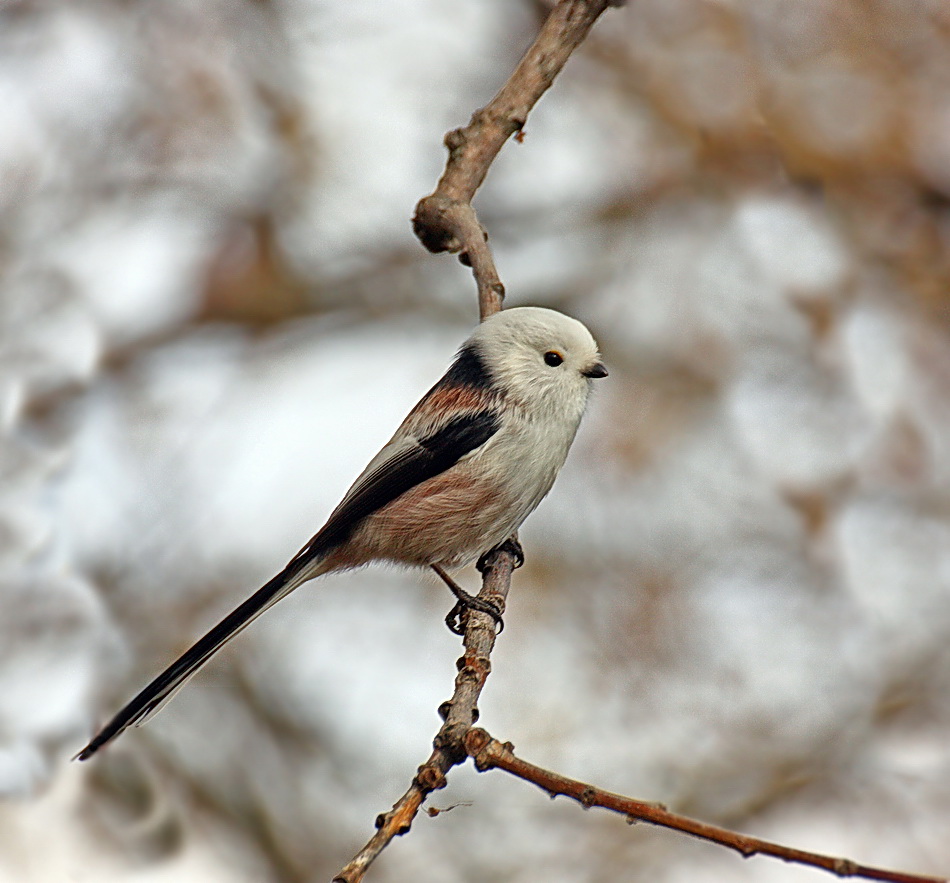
{"x": 432, "y": 456}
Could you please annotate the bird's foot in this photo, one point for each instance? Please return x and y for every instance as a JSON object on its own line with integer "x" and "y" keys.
{"x": 465, "y": 601}
{"x": 453, "y": 618}
{"x": 511, "y": 546}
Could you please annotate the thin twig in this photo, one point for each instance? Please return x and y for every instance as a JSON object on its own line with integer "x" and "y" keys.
{"x": 445, "y": 220}
{"x": 489, "y": 753}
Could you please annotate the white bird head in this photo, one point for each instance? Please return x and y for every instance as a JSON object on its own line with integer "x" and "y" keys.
{"x": 539, "y": 358}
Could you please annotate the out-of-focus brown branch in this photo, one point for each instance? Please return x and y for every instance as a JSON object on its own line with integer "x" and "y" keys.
{"x": 489, "y": 753}
{"x": 445, "y": 220}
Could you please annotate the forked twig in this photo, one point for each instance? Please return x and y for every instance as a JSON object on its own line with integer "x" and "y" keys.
{"x": 459, "y": 714}
{"x": 446, "y": 221}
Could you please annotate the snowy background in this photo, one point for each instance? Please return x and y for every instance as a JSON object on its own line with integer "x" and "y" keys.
{"x": 213, "y": 312}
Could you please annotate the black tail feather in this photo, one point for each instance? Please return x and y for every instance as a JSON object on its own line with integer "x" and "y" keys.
{"x": 150, "y": 699}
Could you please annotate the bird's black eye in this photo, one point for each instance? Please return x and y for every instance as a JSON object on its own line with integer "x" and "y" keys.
{"x": 553, "y": 358}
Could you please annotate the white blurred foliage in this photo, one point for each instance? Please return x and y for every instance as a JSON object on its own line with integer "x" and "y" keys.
{"x": 74, "y": 284}
{"x": 379, "y": 163}
{"x": 54, "y": 628}
{"x": 49, "y": 671}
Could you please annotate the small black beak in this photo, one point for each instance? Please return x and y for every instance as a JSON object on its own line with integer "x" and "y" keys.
{"x": 595, "y": 370}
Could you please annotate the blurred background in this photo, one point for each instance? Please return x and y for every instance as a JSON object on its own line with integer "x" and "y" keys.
{"x": 214, "y": 312}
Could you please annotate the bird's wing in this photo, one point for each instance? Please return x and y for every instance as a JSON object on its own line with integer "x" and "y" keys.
{"x": 405, "y": 462}
{"x": 401, "y": 465}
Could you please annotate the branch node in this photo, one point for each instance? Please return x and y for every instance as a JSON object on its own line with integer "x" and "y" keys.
{"x": 745, "y": 847}
{"x": 473, "y": 666}
{"x": 468, "y": 673}
{"x": 454, "y": 139}
{"x": 433, "y": 226}
{"x": 588, "y": 797}
{"x": 476, "y": 740}
{"x": 430, "y": 778}
{"x": 450, "y": 740}
{"x": 844, "y": 867}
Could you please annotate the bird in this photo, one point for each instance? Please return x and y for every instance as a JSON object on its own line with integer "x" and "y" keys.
{"x": 466, "y": 467}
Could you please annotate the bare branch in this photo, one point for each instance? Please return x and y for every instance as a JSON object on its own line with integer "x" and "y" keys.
{"x": 459, "y": 714}
{"x": 445, "y": 220}
{"x": 489, "y": 753}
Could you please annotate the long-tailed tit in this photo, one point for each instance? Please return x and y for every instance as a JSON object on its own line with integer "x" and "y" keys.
{"x": 468, "y": 464}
